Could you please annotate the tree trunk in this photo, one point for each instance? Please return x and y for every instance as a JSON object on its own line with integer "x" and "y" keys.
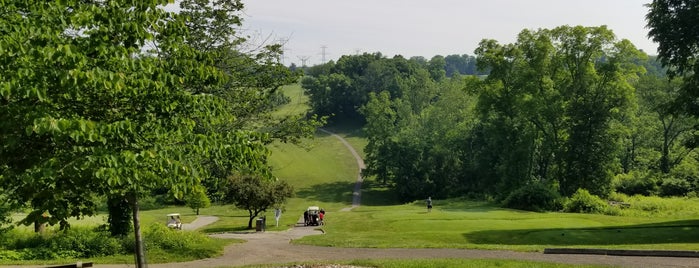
{"x": 120, "y": 215}
{"x": 38, "y": 226}
{"x": 250, "y": 221}
{"x": 197, "y": 211}
{"x": 140, "y": 254}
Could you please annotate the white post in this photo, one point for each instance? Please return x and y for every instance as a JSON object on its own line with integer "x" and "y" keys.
{"x": 277, "y": 214}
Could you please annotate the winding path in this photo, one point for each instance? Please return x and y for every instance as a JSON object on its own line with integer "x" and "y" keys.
{"x": 357, "y": 193}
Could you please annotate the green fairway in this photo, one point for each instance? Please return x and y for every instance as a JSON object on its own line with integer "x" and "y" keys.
{"x": 479, "y": 225}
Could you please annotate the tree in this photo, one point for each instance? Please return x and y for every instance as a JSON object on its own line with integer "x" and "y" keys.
{"x": 672, "y": 128}
{"x": 673, "y": 25}
{"x": 85, "y": 111}
{"x": 550, "y": 102}
{"x": 256, "y": 194}
{"x": 197, "y": 199}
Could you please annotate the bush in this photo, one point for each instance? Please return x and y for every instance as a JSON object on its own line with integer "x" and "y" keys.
{"x": 533, "y": 197}
{"x": 158, "y": 236}
{"x": 636, "y": 183}
{"x": 73, "y": 243}
{"x": 584, "y": 202}
{"x": 675, "y": 187}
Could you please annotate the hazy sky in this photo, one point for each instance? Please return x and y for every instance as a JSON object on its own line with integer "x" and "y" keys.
{"x": 427, "y": 28}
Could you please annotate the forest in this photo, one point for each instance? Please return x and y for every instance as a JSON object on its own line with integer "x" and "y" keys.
{"x": 558, "y": 111}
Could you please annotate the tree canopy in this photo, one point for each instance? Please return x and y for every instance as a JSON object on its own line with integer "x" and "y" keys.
{"x": 118, "y": 99}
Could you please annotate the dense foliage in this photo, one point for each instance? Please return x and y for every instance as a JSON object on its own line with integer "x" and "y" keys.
{"x": 567, "y": 108}
{"x": 673, "y": 25}
{"x": 122, "y": 99}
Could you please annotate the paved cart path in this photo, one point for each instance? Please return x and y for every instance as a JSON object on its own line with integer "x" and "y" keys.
{"x": 357, "y": 193}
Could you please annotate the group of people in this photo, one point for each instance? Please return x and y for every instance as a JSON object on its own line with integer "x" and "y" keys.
{"x": 314, "y": 217}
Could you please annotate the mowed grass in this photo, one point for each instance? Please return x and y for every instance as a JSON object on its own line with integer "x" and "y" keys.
{"x": 478, "y": 225}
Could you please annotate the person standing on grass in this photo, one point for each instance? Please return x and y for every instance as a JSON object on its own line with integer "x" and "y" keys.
{"x": 429, "y": 204}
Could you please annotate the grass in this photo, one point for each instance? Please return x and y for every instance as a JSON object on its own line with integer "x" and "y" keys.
{"x": 297, "y": 105}
{"x": 478, "y": 225}
{"x": 441, "y": 263}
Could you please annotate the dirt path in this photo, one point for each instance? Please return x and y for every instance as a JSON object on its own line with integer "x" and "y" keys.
{"x": 357, "y": 193}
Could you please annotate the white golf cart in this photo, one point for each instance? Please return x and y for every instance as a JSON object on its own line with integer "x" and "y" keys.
{"x": 173, "y": 221}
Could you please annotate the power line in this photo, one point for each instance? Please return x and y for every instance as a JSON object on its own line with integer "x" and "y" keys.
{"x": 303, "y": 60}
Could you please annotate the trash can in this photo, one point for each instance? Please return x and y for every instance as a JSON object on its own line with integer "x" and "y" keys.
{"x": 259, "y": 225}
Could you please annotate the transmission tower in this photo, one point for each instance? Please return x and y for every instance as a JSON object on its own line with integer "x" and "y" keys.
{"x": 303, "y": 60}
{"x": 323, "y": 53}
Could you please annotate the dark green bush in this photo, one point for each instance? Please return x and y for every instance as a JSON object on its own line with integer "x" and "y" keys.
{"x": 636, "y": 183}
{"x": 533, "y": 197}
{"x": 584, "y": 202}
{"x": 675, "y": 187}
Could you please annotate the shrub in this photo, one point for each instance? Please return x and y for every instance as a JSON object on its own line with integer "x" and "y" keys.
{"x": 584, "y": 202}
{"x": 533, "y": 197}
{"x": 158, "y": 236}
{"x": 78, "y": 242}
{"x": 636, "y": 183}
{"x": 10, "y": 255}
{"x": 675, "y": 187}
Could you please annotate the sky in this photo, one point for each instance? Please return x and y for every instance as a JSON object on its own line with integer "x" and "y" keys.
{"x": 427, "y": 28}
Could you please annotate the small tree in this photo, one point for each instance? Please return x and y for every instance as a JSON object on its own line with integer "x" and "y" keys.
{"x": 256, "y": 194}
{"x": 197, "y": 199}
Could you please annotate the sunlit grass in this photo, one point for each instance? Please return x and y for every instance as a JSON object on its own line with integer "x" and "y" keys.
{"x": 478, "y": 225}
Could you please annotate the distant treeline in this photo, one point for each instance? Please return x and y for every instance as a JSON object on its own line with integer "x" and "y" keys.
{"x": 565, "y": 109}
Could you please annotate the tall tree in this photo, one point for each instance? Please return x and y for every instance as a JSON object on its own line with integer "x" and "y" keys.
{"x": 673, "y": 25}
{"x": 86, "y": 112}
{"x": 673, "y": 130}
{"x": 556, "y": 92}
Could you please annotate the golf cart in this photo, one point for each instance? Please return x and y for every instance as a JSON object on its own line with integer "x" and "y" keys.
{"x": 173, "y": 221}
{"x": 312, "y": 216}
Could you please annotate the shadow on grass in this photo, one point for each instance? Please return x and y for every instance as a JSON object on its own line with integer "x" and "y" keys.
{"x": 686, "y": 231}
{"x": 348, "y": 128}
{"x": 376, "y": 194}
{"x": 333, "y": 192}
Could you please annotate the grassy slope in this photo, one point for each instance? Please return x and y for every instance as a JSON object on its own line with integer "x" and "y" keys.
{"x": 465, "y": 224}
{"x": 326, "y": 172}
